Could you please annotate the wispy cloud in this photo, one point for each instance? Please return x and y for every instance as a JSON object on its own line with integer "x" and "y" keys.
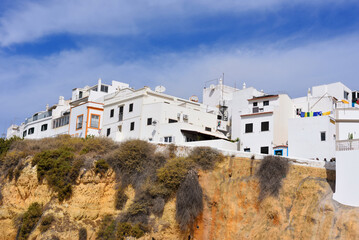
{"x": 26, "y": 22}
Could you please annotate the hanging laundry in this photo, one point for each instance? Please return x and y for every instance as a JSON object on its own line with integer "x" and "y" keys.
{"x": 327, "y": 113}
{"x": 302, "y": 114}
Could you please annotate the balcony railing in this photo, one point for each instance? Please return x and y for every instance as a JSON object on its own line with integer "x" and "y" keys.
{"x": 347, "y": 145}
{"x": 39, "y": 116}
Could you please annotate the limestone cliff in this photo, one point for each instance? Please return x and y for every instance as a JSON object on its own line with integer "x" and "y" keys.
{"x": 303, "y": 210}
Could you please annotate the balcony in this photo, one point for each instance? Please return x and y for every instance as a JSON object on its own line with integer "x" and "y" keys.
{"x": 347, "y": 145}
{"x": 39, "y": 116}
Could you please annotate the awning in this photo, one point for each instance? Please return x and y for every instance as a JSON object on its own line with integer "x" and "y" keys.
{"x": 213, "y": 134}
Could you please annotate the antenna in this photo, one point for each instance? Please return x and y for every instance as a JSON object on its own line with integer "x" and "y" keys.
{"x": 160, "y": 89}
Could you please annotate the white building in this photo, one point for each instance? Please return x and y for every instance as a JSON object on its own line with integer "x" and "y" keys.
{"x": 157, "y": 117}
{"x": 265, "y": 125}
{"x": 87, "y": 108}
{"x": 347, "y": 160}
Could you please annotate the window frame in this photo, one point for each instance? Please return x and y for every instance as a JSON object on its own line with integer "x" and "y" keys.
{"x": 263, "y": 147}
{"x": 108, "y": 132}
{"x": 245, "y": 128}
{"x": 42, "y": 127}
{"x": 77, "y": 121}
{"x": 321, "y": 136}
{"x": 130, "y": 107}
{"x": 149, "y": 121}
{"x": 262, "y": 126}
{"x": 266, "y": 103}
{"x": 112, "y": 113}
{"x": 32, "y": 132}
{"x": 132, "y": 126}
{"x": 98, "y": 124}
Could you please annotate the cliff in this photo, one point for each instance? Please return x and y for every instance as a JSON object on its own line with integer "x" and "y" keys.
{"x": 304, "y": 208}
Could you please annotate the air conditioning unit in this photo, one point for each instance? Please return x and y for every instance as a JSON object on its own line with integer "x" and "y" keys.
{"x": 185, "y": 116}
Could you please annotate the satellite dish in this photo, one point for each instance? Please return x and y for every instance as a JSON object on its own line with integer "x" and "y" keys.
{"x": 160, "y": 89}
{"x": 193, "y": 98}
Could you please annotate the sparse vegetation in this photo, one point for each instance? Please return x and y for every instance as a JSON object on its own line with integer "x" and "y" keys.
{"x": 205, "y": 157}
{"x": 46, "y": 223}
{"x": 82, "y": 234}
{"x": 121, "y": 198}
{"x": 270, "y": 173}
{"x": 189, "y": 201}
{"x": 107, "y": 229}
{"x": 29, "y": 220}
{"x": 101, "y": 167}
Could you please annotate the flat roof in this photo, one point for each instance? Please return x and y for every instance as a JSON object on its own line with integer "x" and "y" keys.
{"x": 262, "y": 97}
{"x": 253, "y": 114}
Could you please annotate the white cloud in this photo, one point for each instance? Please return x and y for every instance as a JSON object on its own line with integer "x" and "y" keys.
{"x": 32, "y": 20}
{"x": 28, "y": 84}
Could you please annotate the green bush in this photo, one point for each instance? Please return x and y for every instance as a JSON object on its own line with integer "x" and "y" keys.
{"x": 270, "y": 173}
{"x": 189, "y": 201}
{"x": 107, "y": 229}
{"x": 125, "y": 229}
{"x": 101, "y": 167}
{"x": 205, "y": 157}
{"x": 121, "y": 198}
{"x": 59, "y": 169}
{"x": 5, "y": 145}
{"x": 173, "y": 172}
{"x": 46, "y": 223}
{"x": 9, "y": 163}
{"x": 29, "y": 220}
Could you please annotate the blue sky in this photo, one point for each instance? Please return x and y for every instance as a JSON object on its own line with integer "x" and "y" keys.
{"x": 49, "y": 47}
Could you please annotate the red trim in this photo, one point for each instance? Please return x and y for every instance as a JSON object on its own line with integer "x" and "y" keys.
{"x": 268, "y": 96}
{"x": 281, "y": 146}
{"x": 253, "y": 114}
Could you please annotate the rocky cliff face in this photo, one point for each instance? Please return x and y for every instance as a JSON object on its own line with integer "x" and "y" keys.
{"x": 303, "y": 210}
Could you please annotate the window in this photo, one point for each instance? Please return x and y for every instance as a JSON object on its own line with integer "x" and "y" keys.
{"x": 104, "y": 88}
{"x": 120, "y": 128}
{"x": 132, "y": 127}
{"x": 322, "y": 136}
{"x": 43, "y": 127}
{"x": 172, "y": 120}
{"x": 168, "y": 139}
{"x": 264, "y": 150}
{"x": 61, "y": 121}
{"x": 108, "y": 132}
{"x": 80, "y": 94}
{"x": 265, "y": 103}
{"x": 298, "y": 111}
{"x": 208, "y": 129}
{"x": 346, "y": 95}
{"x": 264, "y": 126}
{"x": 112, "y": 113}
{"x": 130, "y": 108}
{"x": 120, "y": 115}
{"x": 24, "y": 133}
{"x": 278, "y": 152}
{"x": 255, "y": 104}
{"x": 79, "y": 121}
{"x": 247, "y": 149}
{"x": 31, "y": 131}
{"x": 95, "y": 121}
{"x": 149, "y": 121}
{"x": 249, "y": 127}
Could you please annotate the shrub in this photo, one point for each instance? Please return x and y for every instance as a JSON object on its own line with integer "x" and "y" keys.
{"x": 5, "y": 145}
{"x": 46, "y": 223}
{"x": 121, "y": 199}
{"x": 125, "y": 229}
{"x": 82, "y": 234}
{"x": 59, "y": 169}
{"x": 205, "y": 157}
{"x": 29, "y": 220}
{"x": 172, "y": 148}
{"x": 107, "y": 229}
{"x": 9, "y": 162}
{"x": 101, "y": 167}
{"x": 173, "y": 172}
{"x": 270, "y": 173}
{"x": 189, "y": 201}
{"x": 98, "y": 145}
{"x": 158, "y": 206}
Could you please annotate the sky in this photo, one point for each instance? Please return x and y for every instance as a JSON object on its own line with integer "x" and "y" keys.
{"x": 49, "y": 47}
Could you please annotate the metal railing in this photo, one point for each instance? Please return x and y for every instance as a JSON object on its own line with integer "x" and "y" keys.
{"x": 39, "y": 116}
{"x": 347, "y": 145}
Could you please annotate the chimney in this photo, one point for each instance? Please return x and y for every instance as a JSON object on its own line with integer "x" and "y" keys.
{"x": 61, "y": 101}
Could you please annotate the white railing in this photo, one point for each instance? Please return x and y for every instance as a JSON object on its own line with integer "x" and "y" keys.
{"x": 347, "y": 145}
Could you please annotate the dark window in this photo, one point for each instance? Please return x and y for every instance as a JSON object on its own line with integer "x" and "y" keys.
{"x": 172, "y": 120}
{"x": 43, "y": 127}
{"x": 255, "y": 104}
{"x": 219, "y": 117}
{"x": 61, "y": 121}
{"x": 149, "y": 121}
{"x": 80, "y": 94}
{"x": 104, "y": 88}
{"x": 31, "y": 131}
{"x": 130, "y": 108}
{"x": 264, "y": 150}
{"x": 264, "y": 126}
{"x": 278, "y": 152}
{"x": 112, "y": 113}
{"x": 24, "y": 133}
{"x": 132, "y": 127}
{"x": 168, "y": 139}
{"x": 108, "y": 132}
{"x": 247, "y": 149}
{"x": 346, "y": 95}
{"x": 249, "y": 127}
{"x": 322, "y": 136}
{"x": 208, "y": 129}
{"x": 120, "y": 115}
{"x": 79, "y": 121}
{"x": 265, "y": 103}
